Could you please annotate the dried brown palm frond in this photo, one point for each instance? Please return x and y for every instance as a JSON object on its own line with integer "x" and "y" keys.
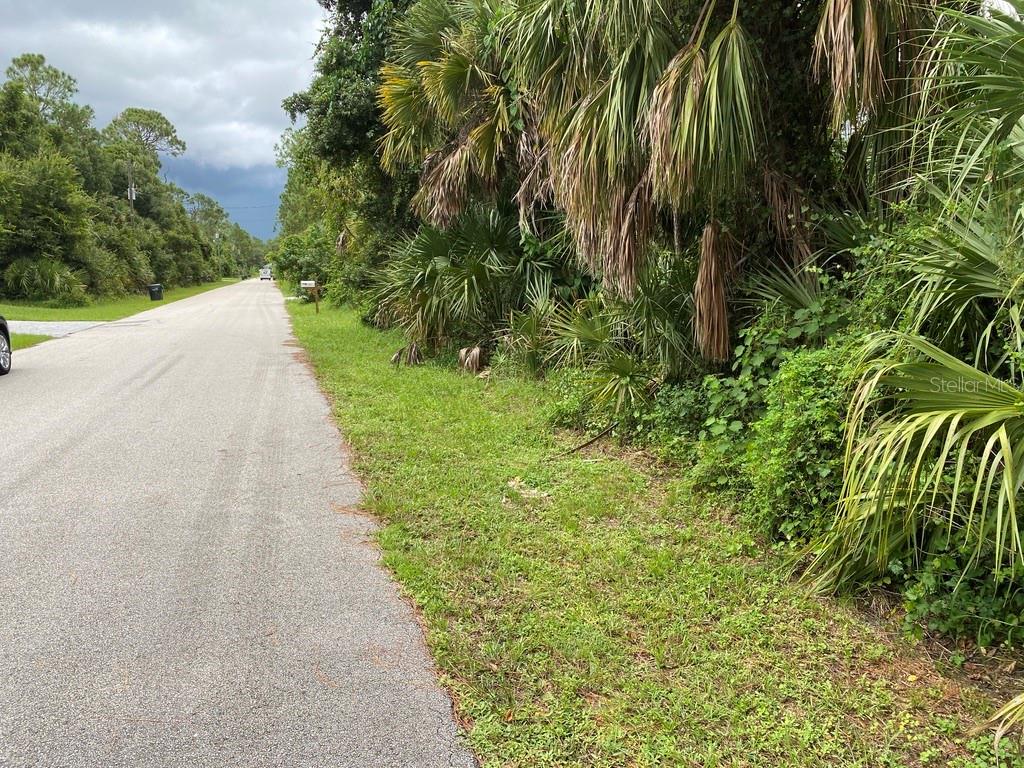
{"x": 534, "y": 157}
{"x": 787, "y": 204}
{"x": 413, "y": 355}
{"x": 630, "y": 217}
{"x": 410, "y": 355}
{"x": 719, "y": 263}
{"x": 705, "y": 123}
{"x": 471, "y": 359}
{"x": 608, "y": 214}
{"x": 577, "y": 189}
{"x": 836, "y": 49}
{"x": 864, "y": 49}
{"x": 444, "y": 185}
{"x": 671, "y": 125}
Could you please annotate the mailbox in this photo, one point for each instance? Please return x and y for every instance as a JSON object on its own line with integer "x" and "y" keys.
{"x": 314, "y": 291}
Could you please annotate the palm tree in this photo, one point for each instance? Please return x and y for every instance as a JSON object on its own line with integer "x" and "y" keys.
{"x": 446, "y": 106}
{"x": 642, "y": 118}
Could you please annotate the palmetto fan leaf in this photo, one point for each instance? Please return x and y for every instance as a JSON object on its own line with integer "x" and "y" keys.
{"x": 622, "y": 382}
{"x": 451, "y": 79}
{"x": 446, "y": 105}
{"x": 969, "y": 128}
{"x": 407, "y": 113}
{"x": 422, "y": 31}
{"x": 441, "y": 281}
{"x": 967, "y": 265}
{"x": 730, "y": 127}
{"x": 949, "y": 451}
{"x": 581, "y": 334}
{"x": 796, "y": 287}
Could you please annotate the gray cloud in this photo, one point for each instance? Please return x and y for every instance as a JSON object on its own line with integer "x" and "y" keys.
{"x": 217, "y": 69}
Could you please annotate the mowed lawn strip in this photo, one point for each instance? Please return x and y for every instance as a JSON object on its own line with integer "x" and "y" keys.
{"x": 26, "y": 340}
{"x": 103, "y": 310}
{"x": 585, "y": 612}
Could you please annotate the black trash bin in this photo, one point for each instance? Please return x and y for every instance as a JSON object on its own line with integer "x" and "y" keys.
{"x": 156, "y": 292}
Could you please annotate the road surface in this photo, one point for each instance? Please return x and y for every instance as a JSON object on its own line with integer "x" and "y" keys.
{"x": 183, "y": 580}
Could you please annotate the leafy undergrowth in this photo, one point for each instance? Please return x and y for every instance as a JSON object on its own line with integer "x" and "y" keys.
{"x": 584, "y": 611}
{"x": 104, "y": 309}
{"x": 26, "y": 340}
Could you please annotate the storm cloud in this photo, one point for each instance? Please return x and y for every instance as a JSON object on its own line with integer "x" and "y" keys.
{"x": 217, "y": 70}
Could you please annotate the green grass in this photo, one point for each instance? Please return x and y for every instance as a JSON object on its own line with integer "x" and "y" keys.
{"x": 26, "y": 340}
{"x": 104, "y": 309}
{"x": 585, "y": 611}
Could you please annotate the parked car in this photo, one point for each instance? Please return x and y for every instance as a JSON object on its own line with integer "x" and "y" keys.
{"x": 5, "y": 348}
{"x": 266, "y": 274}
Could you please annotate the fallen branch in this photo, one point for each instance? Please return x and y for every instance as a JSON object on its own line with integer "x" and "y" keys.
{"x": 591, "y": 441}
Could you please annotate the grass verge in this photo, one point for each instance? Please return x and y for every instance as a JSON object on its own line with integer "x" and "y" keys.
{"x": 584, "y": 610}
{"x": 26, "y": 340}
{"x": 103, "y": 310}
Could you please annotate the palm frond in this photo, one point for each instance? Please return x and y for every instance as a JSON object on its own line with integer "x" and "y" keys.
{"x": 672, "y": 126}
{"x": 444, "y": 186}
{"x": 969, "y": 131}
{"x": 407, "y": 116}
{"x": 718, "y": 264}
{"x": 731, "y": 126}
{"x": 623, "y": 383}
{"x": 787, "y": 204}
{"x": 967, "y": 266}
{"x": 947, "y": 452}
{"x": 796, "y": 287}
{"x": 858, "y": 42}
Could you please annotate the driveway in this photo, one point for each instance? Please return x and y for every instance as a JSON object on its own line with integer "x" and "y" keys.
{"x": 48, "y": 328}
{"x": 183, "y": 578}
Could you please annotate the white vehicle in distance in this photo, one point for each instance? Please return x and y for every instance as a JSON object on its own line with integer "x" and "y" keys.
{"x": 266, "y": 274}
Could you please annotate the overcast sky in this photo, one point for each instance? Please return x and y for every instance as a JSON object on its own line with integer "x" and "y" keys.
{"x": 218, "y": 69}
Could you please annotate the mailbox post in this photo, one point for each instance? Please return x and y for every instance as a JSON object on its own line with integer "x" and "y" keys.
{"x": 314, "y": 291}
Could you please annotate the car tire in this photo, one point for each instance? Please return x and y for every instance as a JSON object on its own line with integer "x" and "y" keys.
{"x": 5, "y": 355}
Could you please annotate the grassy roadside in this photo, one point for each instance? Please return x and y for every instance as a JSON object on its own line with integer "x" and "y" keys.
{"x": 26, "y": 340}
{"x": 105, "y": 309}
{"x": 584, "y": 611}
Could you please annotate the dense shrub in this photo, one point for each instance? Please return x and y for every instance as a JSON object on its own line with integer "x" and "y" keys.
{"x": 956, "y": 594}
{"x": 43, "y": 279}
{"x": 674, "y": 420}
{"x": 794, "y": 460}
{"x": 306, "y": 256}
{"x": 737, "y": 399}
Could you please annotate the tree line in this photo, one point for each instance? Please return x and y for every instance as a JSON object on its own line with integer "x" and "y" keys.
{"x": 70, "y": 229}
{"x": 779, "y": 242}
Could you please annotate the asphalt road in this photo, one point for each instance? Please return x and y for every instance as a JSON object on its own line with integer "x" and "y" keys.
{"x": 183, "y": 581}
